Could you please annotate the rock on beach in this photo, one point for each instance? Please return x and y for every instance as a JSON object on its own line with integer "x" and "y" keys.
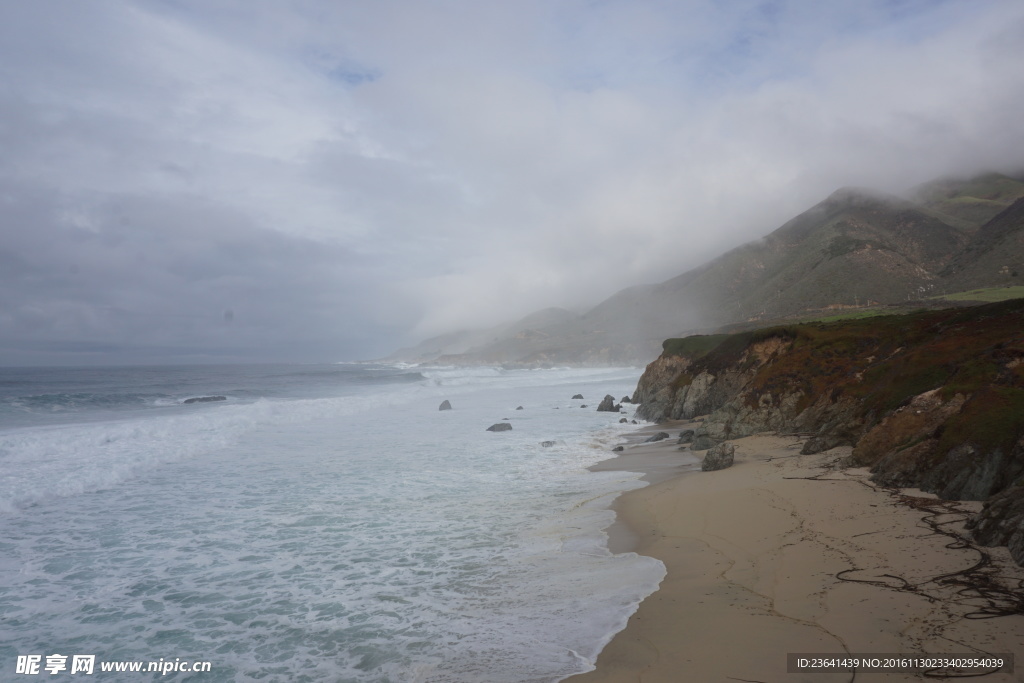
{"x": 718, "y": 457}
{"x": 660, "y": 436}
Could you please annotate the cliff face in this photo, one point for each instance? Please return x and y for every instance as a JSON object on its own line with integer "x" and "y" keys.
{"x": 725, "y": 385}
{"x": 933, "y": 399}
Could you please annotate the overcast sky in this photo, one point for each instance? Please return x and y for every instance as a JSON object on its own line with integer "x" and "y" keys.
{"x": 318, "y": 180}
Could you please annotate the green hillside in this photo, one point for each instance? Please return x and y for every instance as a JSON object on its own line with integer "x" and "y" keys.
{"x": 972, "y": 202}
{"x": 856, "y": 248}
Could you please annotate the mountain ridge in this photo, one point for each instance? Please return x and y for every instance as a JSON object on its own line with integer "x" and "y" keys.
{"x": 856, "y": 249}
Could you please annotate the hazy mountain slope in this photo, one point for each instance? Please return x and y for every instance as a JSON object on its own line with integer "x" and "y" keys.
{"x": 468, "y": 341}
{"x": 587, "y": 340}
{"x": 852, "y": 248}
{"x": 855, "y": 248}
{"x": 428, "y": 349}
{"x": 543, "y": 318}
{"x": 972, "y": 202}
{"x": 995, "y": 255}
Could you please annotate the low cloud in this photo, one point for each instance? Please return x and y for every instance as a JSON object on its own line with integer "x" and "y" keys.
{"x": 345, "y": 177}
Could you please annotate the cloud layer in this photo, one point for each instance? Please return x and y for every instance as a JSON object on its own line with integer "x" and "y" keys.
{"x": 188, "y": 180}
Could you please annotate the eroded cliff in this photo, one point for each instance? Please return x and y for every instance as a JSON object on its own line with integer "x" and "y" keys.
{"x": 933, "y": 400}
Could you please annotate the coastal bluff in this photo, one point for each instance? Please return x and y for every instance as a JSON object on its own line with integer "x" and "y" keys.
{"x": 932, "y": 400}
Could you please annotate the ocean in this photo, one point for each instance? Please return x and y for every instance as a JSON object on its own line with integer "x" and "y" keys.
{"x": 321, "y": 523}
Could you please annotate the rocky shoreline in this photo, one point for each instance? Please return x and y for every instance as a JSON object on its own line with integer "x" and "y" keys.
{"x": 932, "y": 400}
{"x": 785, "y": 552}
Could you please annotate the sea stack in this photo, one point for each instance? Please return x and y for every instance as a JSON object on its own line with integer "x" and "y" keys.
{"x": 205, "y": 399}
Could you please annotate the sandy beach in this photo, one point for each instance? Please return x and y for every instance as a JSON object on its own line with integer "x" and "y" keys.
{"x": 787, "y": 553}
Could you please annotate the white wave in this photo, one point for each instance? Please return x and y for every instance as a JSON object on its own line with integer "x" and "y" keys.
{"x": 71, "y": 459}
{"x": 365, "y": 538}
{"x": 78, "y": 458}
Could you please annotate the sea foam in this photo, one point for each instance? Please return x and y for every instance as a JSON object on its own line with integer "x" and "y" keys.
{"x": 363, "y": 537}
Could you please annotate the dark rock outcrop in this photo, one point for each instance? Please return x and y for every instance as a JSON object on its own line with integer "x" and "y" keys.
{"x": 205, "y": 399}
{"x": 686, "y": 436}
{"x": 547, "y": 444}
{"x": 718, "y": 458}
{"x": 660, "y": 436}
{"x": 519, "y": 407}
{"x": 820, "y": 444}
{"x": 910, "y": 447}
{"x": 702, "y": 442}
{"x": 445, "y": 405}
{"x": 657, "y": 388}
{"x": 623, "y": 420}
{"x": 578, "y": 396}
{"x": 608, "y": 405}
{"x": 619, "y": 448}
{"x": 625, "y": 399}
{"x": 500, "y": 427}
{"x": 1001, "y": 522}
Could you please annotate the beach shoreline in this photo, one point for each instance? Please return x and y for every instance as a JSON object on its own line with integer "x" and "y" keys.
{"x": 657, "y": 462}
{"x": 786, "y": 553}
